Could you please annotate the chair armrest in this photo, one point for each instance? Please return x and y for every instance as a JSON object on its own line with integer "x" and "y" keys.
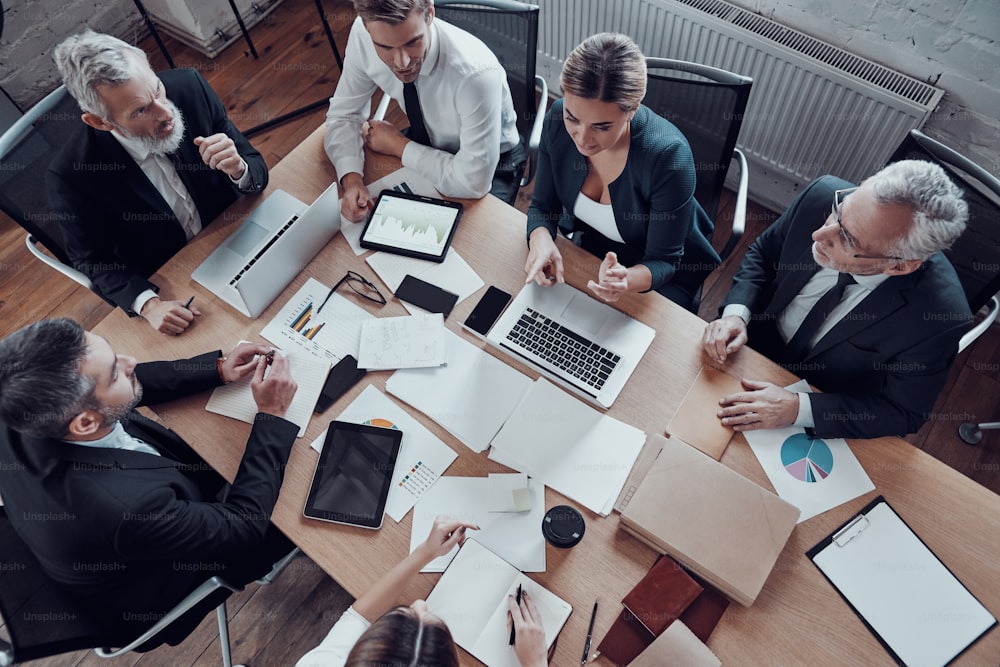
{"x": 536, "y": 131}
{"x": 993, "y": 308}
{"x": 6, "y": 654}
{"x": 383, "y": 106}
{"x": 740, "y": 210}
{"x": 67, "y": 271}
{"x": 206, "y": 589}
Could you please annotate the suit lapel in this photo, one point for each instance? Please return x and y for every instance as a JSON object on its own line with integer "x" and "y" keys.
{"x": 878, "y": 306}
{"x": 133, "y": 177}
{"x": 792, "y": 284}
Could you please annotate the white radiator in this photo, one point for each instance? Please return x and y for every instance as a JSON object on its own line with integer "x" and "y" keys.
{"x": 814, "y": 108}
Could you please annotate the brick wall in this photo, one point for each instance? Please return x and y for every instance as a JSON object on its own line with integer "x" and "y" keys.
{"x": 950, "y": 43}
{"x": 32, "y": 29}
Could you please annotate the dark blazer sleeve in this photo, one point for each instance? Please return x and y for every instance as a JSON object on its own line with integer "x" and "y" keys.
{"x": 167, "y": 380}
{"x": 546, "y": 206}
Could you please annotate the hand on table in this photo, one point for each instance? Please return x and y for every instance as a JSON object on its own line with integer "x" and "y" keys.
{"x": 169, "y": 317}
{"x": 445, "y": 534}
{"x": 544, "y": 264}
{"x": 725, "y": 336}
{"x": 612, "y": 279}
{"x": 763, "y": 405}
{"x": 529, "y": 644}
{"x": 356, "y": 202}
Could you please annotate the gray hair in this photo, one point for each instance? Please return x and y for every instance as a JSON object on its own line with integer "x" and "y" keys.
{"x": 939, "y": 209}
{"x": 608, "y": 67}
{"x": 93, "y": 59}
{"x": 41, "y": 385}
{"x": 390, "y": 11}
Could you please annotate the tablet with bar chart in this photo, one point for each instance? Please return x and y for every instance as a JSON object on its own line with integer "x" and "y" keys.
{"x": 411, "y": 225}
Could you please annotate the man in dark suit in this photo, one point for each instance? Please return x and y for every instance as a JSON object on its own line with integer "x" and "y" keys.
{"x": 156, "y": 160}
{"x": 118, "y": 509}
{"x": 849, "y": 290}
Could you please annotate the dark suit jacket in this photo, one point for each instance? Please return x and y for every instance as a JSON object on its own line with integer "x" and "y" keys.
{"x": 133, "y": 531}
{"x": 663, "y": 225}
{"x": 118, "y": 229}
{"x": 883, "y": 365}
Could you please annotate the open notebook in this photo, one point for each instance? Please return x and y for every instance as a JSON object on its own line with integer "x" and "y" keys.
{"x": 471, "y": 598}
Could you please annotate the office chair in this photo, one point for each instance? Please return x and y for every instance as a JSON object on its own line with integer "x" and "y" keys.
{"x": 43, "y": 620}
{"x": 26, "y": 149}
{"x": 510, "y": 29}
{"x": 706, "y": 104}
{"x": 976, "y": 254}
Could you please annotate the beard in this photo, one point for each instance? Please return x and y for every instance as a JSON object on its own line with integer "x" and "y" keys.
{"x": 113, "y": 413}
{"x": 157, "y": 145}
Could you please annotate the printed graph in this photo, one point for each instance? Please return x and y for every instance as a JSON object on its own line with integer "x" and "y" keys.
{"x": 806, "y": 459}
{"x": 403, "y": 187}
{"x": 301, "y": 320}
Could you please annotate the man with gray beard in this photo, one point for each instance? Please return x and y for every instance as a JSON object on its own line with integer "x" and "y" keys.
{"x": 156, "y": 159}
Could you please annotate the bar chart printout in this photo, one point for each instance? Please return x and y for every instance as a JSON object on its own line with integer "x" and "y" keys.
{"x": 303, "y": 323}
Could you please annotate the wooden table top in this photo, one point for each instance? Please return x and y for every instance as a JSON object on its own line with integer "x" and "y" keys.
{"x": 799, "y": 618}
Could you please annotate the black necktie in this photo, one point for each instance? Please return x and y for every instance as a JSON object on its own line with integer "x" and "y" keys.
{"x": 798, "y": 346}
{"x": 418, "y": 131}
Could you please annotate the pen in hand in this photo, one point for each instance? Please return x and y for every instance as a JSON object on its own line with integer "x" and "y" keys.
{"x": 590, "y": 635}
{"x": 189, "y": 302}
{"x": 513, "y": 630}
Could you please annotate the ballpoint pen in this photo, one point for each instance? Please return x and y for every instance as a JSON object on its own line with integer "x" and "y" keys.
{"x": 513, "y": 630}
{"x": 188, "y": 304}
{"x": 590, "y": 635}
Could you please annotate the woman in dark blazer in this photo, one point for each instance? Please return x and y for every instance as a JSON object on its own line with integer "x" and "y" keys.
{"x": 620, "y": 178}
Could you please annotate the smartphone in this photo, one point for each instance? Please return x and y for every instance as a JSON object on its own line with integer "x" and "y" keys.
{"x": 425, "y": 295}
{"x": 344, "y": 375}
{"x": 487, "y": 311}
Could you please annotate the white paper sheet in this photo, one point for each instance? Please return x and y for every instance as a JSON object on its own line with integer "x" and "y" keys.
{"x": 516, "y": 537}
{"x": 412, "y": 341}
{"x": 422, "y": 456}
{"x": 569, "y": 446}
{"x": 453, "y": 274}
{"x": 236, "y": 399}
{"x": 470, "y": 397}
{"x": 815, "y": 475}
{"x": 401, "y": 180}
{"x": 331, "y": 334}
{"x": 471, "y": 598}
{"x": 902, "y": 590}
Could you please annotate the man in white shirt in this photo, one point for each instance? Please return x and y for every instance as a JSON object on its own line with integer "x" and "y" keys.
{"x": 155, "y": 160}
{"x": 463, "y": 134}
{"x": 880, "y": 345}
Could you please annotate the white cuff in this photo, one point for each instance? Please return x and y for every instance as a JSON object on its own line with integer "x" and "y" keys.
{"x": 739, "y": 310}
{"x": 244, "y": 180}
{"x": 141, "y": 300}
{"x": 805, "y": 416}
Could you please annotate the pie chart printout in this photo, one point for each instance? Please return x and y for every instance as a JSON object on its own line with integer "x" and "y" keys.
{"x": 806, "y": 459}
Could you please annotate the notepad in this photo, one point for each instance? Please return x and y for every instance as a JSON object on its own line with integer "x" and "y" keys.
{"x": 236, "y": 398}
{"x": 916, "y": 607}
{"x": 414, "y": 341}
{"x": 471, "y": 598}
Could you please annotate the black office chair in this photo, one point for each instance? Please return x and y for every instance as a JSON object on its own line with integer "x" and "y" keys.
{"x": 510, "y": 29}
{"x": 26, "y": 149}
{"x": 42, "y": 620}
{"x": 976, "y": 254}
{"x": 706, "y": 104}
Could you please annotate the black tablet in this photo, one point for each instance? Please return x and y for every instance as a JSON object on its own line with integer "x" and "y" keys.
{"x": 353, "y": 475}
{"x": 411, "y": 225}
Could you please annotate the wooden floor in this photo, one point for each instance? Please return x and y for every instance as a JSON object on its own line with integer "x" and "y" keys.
{"x": 274, "y": 625}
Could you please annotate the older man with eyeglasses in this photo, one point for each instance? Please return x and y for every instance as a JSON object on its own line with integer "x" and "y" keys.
{"x": 849, "y": 289}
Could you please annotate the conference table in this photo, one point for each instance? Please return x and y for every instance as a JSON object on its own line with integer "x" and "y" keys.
{"x": 799, "y": 618}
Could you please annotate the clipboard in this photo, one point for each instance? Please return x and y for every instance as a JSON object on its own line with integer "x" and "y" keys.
{"x": 913, "y": 604}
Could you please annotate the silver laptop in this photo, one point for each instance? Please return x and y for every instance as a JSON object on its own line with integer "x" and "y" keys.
{"x": 584, "y": 344}
{"x": 251, "y": 267}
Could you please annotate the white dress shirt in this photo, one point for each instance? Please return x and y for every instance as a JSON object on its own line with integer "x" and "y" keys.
{"x": 465, "y": 101}
{"x": 118, "y": 438}
{"x": 163, "y": 176}
{"x": 599, "y": 216}
{"x": 795, "y": 312}
{"x": 337, "y": 645}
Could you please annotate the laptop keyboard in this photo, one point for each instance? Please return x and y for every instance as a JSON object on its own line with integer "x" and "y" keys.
{"x": 576, "y": 356}
{"x": 260, "y": 253}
